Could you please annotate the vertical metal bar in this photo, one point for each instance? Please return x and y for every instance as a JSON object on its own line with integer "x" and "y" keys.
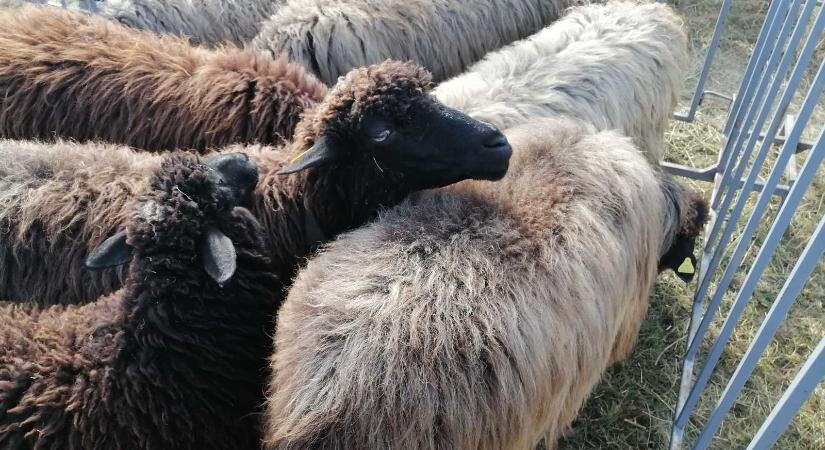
{"x": 811, "y": 374}
{"x": 747, "y": 81}
{"x": 766, "y": 56}
{"x": 810, "y": 101}
{"x": 787, "y": 296}
{"x": 761, "y": 103}
{"x": 772, "y": 240}
{"x": 721, "y": 21}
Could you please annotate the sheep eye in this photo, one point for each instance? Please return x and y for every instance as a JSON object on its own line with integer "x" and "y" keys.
{"x": 380, "y": 136}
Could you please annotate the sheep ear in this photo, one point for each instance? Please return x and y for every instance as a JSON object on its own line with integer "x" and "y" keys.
{"x": 317, "y": 155}
{"x": 112, "y": 252}
{"x": 219, "y": 257}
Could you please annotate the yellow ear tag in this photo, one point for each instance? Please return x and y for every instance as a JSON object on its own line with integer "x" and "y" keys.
{"x": 686, "y": 267}
{"x": 300, "y": 155}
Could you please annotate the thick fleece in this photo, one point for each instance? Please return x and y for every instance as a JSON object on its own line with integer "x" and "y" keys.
{"x": 174, "y": 360}
{"x": 57, "y": 201}
{"x": 68, "y": 75}
{"x": 617, "y": 66}
{"x": 478, "y": 316}
{"x": 331, "y": 37}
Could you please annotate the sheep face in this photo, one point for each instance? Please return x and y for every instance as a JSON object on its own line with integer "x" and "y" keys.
{"x": 202, "y": 195}
{"x": 384, "y": 115}
{"x": 679, "y": 257}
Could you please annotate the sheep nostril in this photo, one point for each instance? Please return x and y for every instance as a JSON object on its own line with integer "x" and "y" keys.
{"x": 497, "y": 141}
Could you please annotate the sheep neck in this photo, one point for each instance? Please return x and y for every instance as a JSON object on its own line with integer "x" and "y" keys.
{"x": 172, "y": 312}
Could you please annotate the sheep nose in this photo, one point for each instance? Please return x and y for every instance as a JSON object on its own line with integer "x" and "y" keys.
{"x": 496, "y": 141}
{"x": 237, "y": 170}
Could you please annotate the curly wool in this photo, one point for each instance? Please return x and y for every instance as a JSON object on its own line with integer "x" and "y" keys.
{"x": 478, "y": 316}
{"x": 64, "y": 74}
{"x": 331, "y": 37}
{"x": 617, "y": 66}
{"x": 172, "y": 361}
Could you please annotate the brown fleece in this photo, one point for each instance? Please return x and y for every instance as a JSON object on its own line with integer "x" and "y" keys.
{"x": 58, "y": 201}
{"x": 64, "y": 74}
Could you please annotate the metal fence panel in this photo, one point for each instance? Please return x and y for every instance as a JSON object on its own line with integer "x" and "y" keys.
{"x": 771, "y": 80}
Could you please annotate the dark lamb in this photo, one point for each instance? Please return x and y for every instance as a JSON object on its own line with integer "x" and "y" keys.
{"x": 171, "y": 361}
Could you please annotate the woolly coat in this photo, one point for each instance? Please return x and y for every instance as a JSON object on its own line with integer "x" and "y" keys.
{"x": 478, "y": 316}
{"x": 65, "y": 74}
{"x": 57, "y": 201}
{"x": 203, "y": 22}
{"x": 330, "y": 37}
{"x": 172, "y": 361}
{"x": 617, "y": 66}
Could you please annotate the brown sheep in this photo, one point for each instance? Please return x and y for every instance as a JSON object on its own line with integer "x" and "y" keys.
{"x": 377, "y": 136}
{"x": 173, "y": 360}
{"x": 64, "y": 74}
{"x": 479, "y": 316}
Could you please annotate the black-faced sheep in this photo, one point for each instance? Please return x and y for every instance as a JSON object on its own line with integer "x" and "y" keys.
{"x": 330, "y": 37}
{"x": 617, "y": 66}
{"x": 203, "y": 22}
{"x": 65, "y": 74}
{"x": 173, "y": 360}
{"x": 377, "y": 137}
{"x": 479, "y": 316}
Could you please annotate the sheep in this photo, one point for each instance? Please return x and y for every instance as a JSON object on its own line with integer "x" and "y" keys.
{"x": 377, "y": 137}
{"x": 479, "y": 316}
{"x": 203, "y": 22}
{"x": 618, "y": 66}
{"x": 65, "y": 74}
{"x": 330, "y": 37}
{"x": 173, "y": 360}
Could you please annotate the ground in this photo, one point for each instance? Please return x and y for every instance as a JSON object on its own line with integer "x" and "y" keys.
{"x": 633, "y": 406}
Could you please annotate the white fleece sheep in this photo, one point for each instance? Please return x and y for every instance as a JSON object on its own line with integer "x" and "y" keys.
{"x": 330, "y": 37}
{"x": 478, "y": 316}
{"x": 616, "y": 66}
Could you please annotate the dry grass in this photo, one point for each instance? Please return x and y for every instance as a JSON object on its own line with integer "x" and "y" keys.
{"x": 633, "y": 406}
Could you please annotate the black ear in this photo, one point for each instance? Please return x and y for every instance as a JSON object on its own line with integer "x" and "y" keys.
{"x": 112, "y": 252}
{"x": 219, "y": 257}
{"x": 317, "y": 155}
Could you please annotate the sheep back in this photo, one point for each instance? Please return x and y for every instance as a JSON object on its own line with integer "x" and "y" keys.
{"x": 617, "y": 66}
{"x": 203, "y": 22}
{"x": 64, "y": 74}
{"x": 330, "y": 37}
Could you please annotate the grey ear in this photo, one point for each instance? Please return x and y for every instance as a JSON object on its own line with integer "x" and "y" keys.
{"x": 112, "y": 252}
{"x": 317, "y": 155}
{"x": 219, "y": 257}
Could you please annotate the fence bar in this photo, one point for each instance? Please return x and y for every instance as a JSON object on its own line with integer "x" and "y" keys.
{"x": 787, "y": 296}
{"x": 757, "y": 80}
{"x": 699, "y": 93}
{"x": 763, "y": 258}
{"x": 763, "y": 99}
{"x": 811, "y": 374}
{"x": 787, "y": 152}
{"x": 749, "y": 70}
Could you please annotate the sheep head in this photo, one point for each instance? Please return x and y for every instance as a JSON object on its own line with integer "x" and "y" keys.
{"x": 679, "y": 257}
{"x": 187, "y": 203}
{"x": 384, "y": 116}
